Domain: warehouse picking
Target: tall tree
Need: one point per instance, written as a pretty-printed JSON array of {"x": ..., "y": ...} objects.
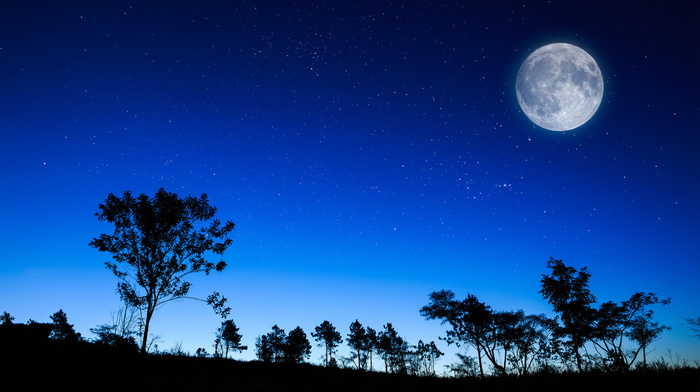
[
  {"x": 155, "y": 245},
  {"x": 393, "y": 350},
  {"x": 328, "y": 337},
  {"x": 357, "y": 340},
  {"x": 370, "y": 345},
  {"x": 567, "y": 291},
  {"x": 263, "y": 348},
  {"x": 229, "y": 338},
  {"x": 298, "y": 347},
  {"x": 271, "y": 347}
]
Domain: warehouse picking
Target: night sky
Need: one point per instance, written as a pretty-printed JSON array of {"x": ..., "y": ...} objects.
[{"x": 369, "y": 154}]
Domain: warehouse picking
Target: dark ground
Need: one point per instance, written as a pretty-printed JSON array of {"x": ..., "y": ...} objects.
[{"x": 45, "y": 364}]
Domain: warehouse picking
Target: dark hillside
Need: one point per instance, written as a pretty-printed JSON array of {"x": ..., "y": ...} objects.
[{"x": 39, "y": 363}]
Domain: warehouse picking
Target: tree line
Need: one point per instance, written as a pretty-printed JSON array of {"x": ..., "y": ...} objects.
[
  {"x": 580, "y": 337},
  {"x": 398, "y": 356},
  {"x": 156, "y": 245}
]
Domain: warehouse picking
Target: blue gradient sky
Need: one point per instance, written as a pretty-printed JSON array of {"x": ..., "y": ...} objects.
[{"x": 368, "y": 154}]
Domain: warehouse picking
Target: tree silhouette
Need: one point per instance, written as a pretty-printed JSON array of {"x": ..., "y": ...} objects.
[
  {"x": 357, "y": 341},
  {"x": 228, "y": 337},
  {"x": 470, "y": 321},
  {"x": 297, "y": 347},
  {"x": 61, "y": 329},
  {"x": 639, "y": 324},
  {"x": 155, "y": 245},
  {"x": 466, "y": 366},
  {"x": 568, "y": 293},
  {"x": 6, "y": 319},
  {"x": 263, "y": 349},
  {"x": 393, "y": 350},
  {"x": 507, "y": 327},
  {"x": 327, "y": 336},
  {"x": 532, "y": 341},
  {"x": 271, "y": 346},
  {"x": 607, "y": 326},
  {"x": 426, "y": 356}
]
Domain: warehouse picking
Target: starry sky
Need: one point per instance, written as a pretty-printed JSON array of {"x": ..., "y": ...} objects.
[{"x": 369, "y": 153}]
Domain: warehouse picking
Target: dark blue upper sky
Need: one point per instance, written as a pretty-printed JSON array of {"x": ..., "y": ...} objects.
[{"x": 368, "y": 153}]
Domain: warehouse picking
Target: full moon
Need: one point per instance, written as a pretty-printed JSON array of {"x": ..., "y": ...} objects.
[{"x": 559, "y": 87}]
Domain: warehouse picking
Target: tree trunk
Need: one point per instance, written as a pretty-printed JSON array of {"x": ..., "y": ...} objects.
[
  {"x": 481, "y": 366},
  {"x": 145, "y": 337},
  {"x": 578, "y": 362},
  {"x": 149, "y": 314}
]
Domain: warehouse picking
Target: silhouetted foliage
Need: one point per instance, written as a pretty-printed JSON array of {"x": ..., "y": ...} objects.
[
  {"x": 155, "y": 245},
  {"x": 605, "y": 327},
  {"x": 61, "y": 329},
  {"x": 424, "y": 358},
  {"x": 177, "y": 350},
  {"x": 357, "y": 341},
  {"x": 328, "y": 337},
  {"x": 639, "y": 324},
  {"x": 393, "y": 350},
  {"x": 121, "y": 332},
  {"x": 107, "y": 335},
  {"x": 278, "y": 347},
  {"x": 507, "y": 339},
  {"x": 228, "y": 338},
  {"x": 298, "y": 347},
  {"x": 470, "y": 321},
  {"x": 201, "y": 353},
  {"x": 271, "y": 346},
  {"x": 363, "y": 343},
  {"x": 567, "y": 291},
  {"x": 532, "y": 342},
  {"x": 6, "y": 319},
  {"x": 466, "y": 366}
]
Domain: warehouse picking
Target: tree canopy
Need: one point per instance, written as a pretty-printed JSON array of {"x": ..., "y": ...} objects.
[
  {"x": 155, "y": 245},
  {"x": 61, "y": 329},
  {"x": 276, "y": 346},
  {"x": 228, "y": 338},
  {"x": 328, "y": 337}
]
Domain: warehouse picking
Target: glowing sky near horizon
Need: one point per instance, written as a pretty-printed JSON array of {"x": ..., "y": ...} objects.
[{"x": 369, "y": 154}]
